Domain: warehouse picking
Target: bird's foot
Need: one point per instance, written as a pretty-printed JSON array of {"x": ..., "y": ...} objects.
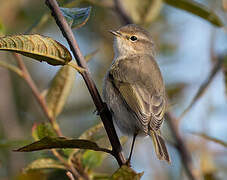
[{"x": 128, "y": 163}]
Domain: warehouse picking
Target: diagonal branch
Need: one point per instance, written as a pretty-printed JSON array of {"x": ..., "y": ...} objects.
[
  {"x": 100, "y": 105},
  {"x": 204, "y": 86},
  {"x": 36, "y": 93},
  {"x": 180, "y": 146}
]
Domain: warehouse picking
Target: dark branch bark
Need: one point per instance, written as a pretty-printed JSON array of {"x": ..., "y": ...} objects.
[{"x": 100, "y": 105}]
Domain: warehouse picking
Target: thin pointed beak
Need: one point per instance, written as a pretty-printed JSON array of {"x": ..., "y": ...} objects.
[{"x": 115, "y": 33}]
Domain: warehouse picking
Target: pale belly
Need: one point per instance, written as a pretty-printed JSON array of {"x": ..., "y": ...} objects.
[{"x": 126, "y": 120}]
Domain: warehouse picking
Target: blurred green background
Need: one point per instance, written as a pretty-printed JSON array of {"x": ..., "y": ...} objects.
[{"x": 187, "y": 48}]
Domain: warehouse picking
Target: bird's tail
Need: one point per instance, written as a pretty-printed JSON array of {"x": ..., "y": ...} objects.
[{"x": 159, "y": 146}]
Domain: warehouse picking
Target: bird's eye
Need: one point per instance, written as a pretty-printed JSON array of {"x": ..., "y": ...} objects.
[{"x": 133, "y": 38}]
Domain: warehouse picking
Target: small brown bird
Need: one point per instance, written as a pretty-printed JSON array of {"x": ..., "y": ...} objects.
[{"x": 134, "y": 90}]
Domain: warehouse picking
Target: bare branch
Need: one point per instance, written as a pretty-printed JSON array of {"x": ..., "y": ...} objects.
[
  {"x": 181, "y": 147},
  {"x": 11, "y": 68},
  {"x": 42, "y": 102},
  {"x": 69, "y": 174},
  {"x": 100, "y": 105},
  {"x": 36, "y": 93},
  {"x": 204, "y": 86}
]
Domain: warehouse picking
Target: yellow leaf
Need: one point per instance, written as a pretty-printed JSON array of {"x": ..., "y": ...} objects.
[
  {"x": 60, "y": 89},
  {"x": 126, "y": 173},
  {"x": 38, "y": 47},
  {"x": 142, "y": 11},
  {"x": 44, "y": 163},
  {"x": 197, "y": 9}
]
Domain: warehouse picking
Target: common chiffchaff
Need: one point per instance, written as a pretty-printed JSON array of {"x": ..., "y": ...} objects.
[{"x": 134, "y": 90}]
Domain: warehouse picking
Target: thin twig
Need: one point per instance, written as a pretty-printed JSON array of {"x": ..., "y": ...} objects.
[
  {"x": 181, "y": 147},
  {"x": 27, "y": 77},
  {"x": 100, "y": 105},
  {"x": 122, "y": 13},
  {"x": 203, "y": 87},
  {"x": 37, "y": 94},
  {"x": 70, "y": 167},
  {"x": 43, "y": 105},
  {"x": 11, "y": 68},
  {"x": 69, "y": 174}
]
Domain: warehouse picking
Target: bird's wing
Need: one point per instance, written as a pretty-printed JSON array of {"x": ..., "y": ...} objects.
[{"x": 141, "y": 92}]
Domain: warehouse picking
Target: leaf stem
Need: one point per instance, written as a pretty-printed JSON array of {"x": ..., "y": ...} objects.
[
  {"x": 74, "y": 65},
  {"x": 69, "y": 174}
]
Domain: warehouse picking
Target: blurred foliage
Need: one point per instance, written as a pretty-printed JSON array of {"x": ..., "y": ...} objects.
[
  {"x": 2, "y": 28},
  {"x": 225, "y": 72},
  {"x": 42, "y": 130},
  {"x": 34, "y": 175},
  {"x": 196, "y": 9},
  {"x": 59, "y": 90},
  {"x": 142, "y": 12},
  {"x": 72, "y": 111},
  {"x": 205, "y": 136},
  {"x": 44, "y": 163},
  {"x": 92, "y": 159},
  {"x": 175, "y": 90}
]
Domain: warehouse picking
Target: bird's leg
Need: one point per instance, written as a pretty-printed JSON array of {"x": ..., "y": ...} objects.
[{"x": 130, "y": 155}]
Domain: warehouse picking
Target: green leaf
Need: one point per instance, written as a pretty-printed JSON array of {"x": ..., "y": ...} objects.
[
  {"x": 2, "y": 28},
  {"x": 60, "y": 142},
  {"x": 92, "y": 159},
  {"x": 59, "y": 90},
  {"x": 205, "y": 136},
  {"x": 38, "y": 47},
  {"x": 76, "y": 17},
  {"x": 44, "y": 163},
  {"x": 88, "y": 134},
  {"x": 126, "y": 173},
  {"x": 42, "y": 130},
  {"x": 196, "y": 9}
]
